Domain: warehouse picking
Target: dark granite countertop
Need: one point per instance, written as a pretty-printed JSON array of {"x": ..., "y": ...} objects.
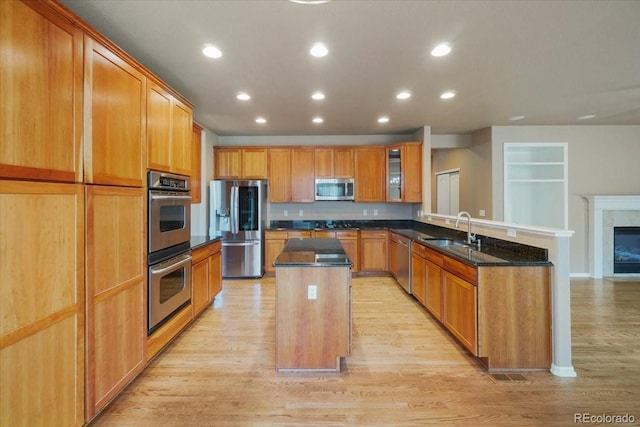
[
  {"x": 198, "y": 241},
  {"x": 313, "y": 252},
  {"x": 493, "y": 252}
]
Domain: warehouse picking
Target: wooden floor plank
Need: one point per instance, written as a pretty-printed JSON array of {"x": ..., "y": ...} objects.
[{"x": 405, "y": 370}]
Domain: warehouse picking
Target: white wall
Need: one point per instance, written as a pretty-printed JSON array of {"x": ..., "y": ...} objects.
[
  {"x": 200, "y": 211},
  {"x": 603, "y": 160}
]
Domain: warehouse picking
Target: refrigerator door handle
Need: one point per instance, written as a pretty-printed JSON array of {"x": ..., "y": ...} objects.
[
  {"x": 251, "y": 243},
  {"x": 236, "y": 207}
]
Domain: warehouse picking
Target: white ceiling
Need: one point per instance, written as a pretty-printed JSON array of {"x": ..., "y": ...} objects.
[{"x": 551, "y": 61}]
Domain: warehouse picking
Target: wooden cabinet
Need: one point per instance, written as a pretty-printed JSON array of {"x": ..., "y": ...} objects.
[
  {"x": 240, "y": 163},
  {"x": 404, "y": 172},
  {"x": 114, "y": 118},
  {"x": 41, "y": 81},
  {"x": 418, "y": 276},
  {"x": 279, "y": 175},
  {"x": 196, "y": 164},
  {"x": 254, "y": 163},
  {"x": 291, "y": 175},
  {"x": 350, "y": 243},
  {"x": 275, "y": 240},
  {"x": 460, "y": 310},
  {"x": 334, "y": 162},
  {"x": 42, "y": 303},
  {"x": 302, "y": 175},
  {"x": 116, "y": 291},
  {"x": 370, "y": 174},
  {"x": 206, "y": 276},
  {"x": 373, "y": 250},
  {"x": 169, "y": 131},
  {"x": 227, "y": 163},
  {"x": 433, "y": 289},
  {"x": 514, "y": 317}
]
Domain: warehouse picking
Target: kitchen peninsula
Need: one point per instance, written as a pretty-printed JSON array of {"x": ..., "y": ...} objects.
[{"x": 313, "y": 305}]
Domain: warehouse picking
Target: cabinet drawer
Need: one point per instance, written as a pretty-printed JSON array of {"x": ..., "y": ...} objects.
[
  {"x": 199, "y": 254},
  {"x": 353, "y": 234},
  {"x": 275, "y": 235},
  {"x": 373, "y": 234},
  {"x": 418, "y": 249},
  {"x": 293, "y": 234},
  {"x": 467, "y": 272},
  {"x": 325, "y": 233},
  {"x": 433, "y": 256}
]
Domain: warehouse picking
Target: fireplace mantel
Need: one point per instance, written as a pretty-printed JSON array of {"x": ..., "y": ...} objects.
[{"x": 598, "y": 205}]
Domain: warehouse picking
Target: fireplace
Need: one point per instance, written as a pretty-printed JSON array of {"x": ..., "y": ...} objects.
[{"x": 626, "y": 249}]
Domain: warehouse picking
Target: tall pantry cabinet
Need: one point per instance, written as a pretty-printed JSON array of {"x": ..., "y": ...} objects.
[
  {"x": 73, "y": 127},
  {"x": 42, "y": 306}
]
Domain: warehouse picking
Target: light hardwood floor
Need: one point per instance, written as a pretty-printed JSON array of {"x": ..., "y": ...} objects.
[{"x": 404, "y": 370}]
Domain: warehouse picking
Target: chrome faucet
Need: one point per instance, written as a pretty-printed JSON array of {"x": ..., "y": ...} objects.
[{"x": 471, "y": 237}]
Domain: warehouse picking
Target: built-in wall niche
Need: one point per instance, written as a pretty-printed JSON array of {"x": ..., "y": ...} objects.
[
  {"x": 626, "y": 250},
  {"x": 535, "y": 184}
]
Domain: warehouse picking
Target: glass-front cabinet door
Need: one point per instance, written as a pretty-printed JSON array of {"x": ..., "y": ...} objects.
[{"x": 394, "y": 174}]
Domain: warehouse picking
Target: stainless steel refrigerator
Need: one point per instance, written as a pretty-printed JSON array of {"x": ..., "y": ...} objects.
[{"x": 237, "y": 215}]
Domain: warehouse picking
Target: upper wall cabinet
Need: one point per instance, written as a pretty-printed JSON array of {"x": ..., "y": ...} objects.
[
  {"x": 169, "y": 131},
  {"x": 334, "y": 162},
  {"x": 370, "y": 174},
  {"x": 291, "y": 175},
  {"x": 41, "y": 86},
  {"x": 240, "y": 163},
  {"x": 404, "y": 172},
  {"x": 114, "y": 117}
]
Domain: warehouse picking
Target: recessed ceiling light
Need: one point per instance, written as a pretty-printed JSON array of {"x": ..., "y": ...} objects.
[
  {"x": 317, "y": 95},
  {"x": 211, "y": 51},
  {"x": 441, "y": 50},
  {"x": 587, "y": 117},
  {"x": 383, "y": 119},
  {"x": 448, "y": 95},
  {"x": 405, "y": 94},
  {"x": 243, "y": 96},
  {"x": 516, "y": 118},
  {"x": 319, "y": 50},
  {"x": 261, "y": 120},
  {"x": 318, "y": 120}
]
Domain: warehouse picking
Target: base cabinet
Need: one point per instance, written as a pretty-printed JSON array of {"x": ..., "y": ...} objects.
[
  {"x": 373, "y": 250},
  {"x": 460, "y": 310},
  {"x": 42, "y": 304},
  {"x": 206, "y": 276},
  {"x": 275, "y": 241}
]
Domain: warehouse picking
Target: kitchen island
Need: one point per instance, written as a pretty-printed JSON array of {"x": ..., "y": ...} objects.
[{"x": 313, "y": 305}]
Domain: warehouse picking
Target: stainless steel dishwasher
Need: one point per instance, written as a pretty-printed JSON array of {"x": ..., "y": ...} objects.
[{"x": 403, "y": 263}]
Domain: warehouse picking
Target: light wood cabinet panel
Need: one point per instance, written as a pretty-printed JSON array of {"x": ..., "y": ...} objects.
[
  {"x": 168, "y": 331},
  {"x": 114, "y": 119},
  {"x": 254, "y": 163},
  {"x": 324, "y": 162},
  {"x": 279, "y": 175},
  {"x": 169, "y": 131},
  {"x": 343, "y": 162},
  {"x": 373, "y": 251},
  {"x": 196, "y": 164},
  {"x": 275, "y": 241},
  {"x": 200, "y": 285},
  {"x": 433, "y": 289},
  {"x": 116, "y": 291},
  {"x": 42, "y": 303},
  {"x": 41, "y": 86},
  {"x": 514, "y": 317},
  {"x": 350, "y": 246},
  {"x": 302, "y": 175},
  {"x": 418, "y": 267},
  {"x": 370, "y": 174},
  {"x": 181, "y": 138},
  {"x": 227, "y": 163},
  {"x": 460, "y": 310}
]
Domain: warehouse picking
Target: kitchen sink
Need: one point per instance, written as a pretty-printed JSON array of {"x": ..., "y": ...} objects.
[{"x": 445, "y": 242}]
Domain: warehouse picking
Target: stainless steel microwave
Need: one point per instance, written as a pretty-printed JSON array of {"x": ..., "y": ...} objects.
[{"x": 335, "y": 189}]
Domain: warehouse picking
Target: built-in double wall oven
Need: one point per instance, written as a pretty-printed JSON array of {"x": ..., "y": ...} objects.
[{"x": 169, "y": 233}]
